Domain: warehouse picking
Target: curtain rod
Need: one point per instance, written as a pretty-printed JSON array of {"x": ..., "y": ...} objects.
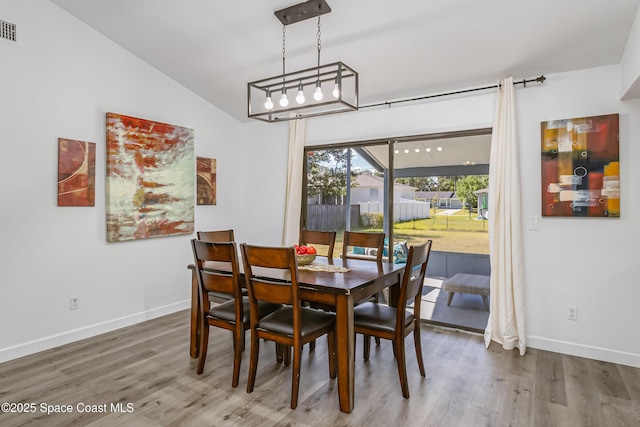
[{"x": 523, "y": 82}]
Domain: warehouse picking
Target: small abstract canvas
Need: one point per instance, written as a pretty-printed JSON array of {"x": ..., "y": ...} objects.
[
  {"x": 581, "y": 167},
  {"x": 150, "y": 179},
  {"x": 206, "y": 180},
  {"x": 76, "y": 173}
]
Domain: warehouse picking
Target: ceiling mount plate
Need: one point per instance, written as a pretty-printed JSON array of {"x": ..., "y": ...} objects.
[{"x": 302, "y": 11}]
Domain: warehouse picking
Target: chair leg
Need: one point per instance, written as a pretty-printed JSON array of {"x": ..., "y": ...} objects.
[
  {"x": 295, "y": 375},
  {"x": 287, "y": 355},
  {"x": 376, "y": 299},
  {"x": 253, "y": 363},
  {"x": 279, "y": 353},
  {"x": 204, "y": 343},
  {"x": 417, "y": 342},
  {"x": 238, "y": 348},
  {"x": 366, "y": 349},
  {"x": 450, "y": 298},
  {"x": 331, "y": 345},
  {"x": 402, "y": 367}
]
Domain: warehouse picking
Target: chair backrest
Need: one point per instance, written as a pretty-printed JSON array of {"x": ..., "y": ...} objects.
[
  {"x": 277, "y": 262},
  {"x": 312, "y": 237},
  {"x": 364, "y": 240},
  {"x": 216, "y": 236},
  {"x": 221, "y": 275},
  {"x": 413, "y": 278}
]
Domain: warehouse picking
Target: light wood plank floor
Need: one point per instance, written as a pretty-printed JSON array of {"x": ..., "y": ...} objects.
[{"x": 148, "y": 367}]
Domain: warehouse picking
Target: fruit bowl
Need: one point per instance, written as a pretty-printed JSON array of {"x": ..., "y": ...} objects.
[{"x": 305, "y": 259}]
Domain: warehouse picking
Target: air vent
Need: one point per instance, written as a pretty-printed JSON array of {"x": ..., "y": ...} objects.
[{"x": 8, "y": 31}]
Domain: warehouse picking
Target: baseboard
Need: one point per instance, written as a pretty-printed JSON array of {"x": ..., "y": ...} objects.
[
  {"x": 52, "y": 341},
  {"x": 589, "y": 352}
]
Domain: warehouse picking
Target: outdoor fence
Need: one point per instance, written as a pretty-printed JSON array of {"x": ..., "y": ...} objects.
[
  {"x": 401, "y": 211},
  {"x": 331, "y": 217}
]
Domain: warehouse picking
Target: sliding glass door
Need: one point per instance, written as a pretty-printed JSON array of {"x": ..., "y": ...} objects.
[{"x": 345, "y": 189}]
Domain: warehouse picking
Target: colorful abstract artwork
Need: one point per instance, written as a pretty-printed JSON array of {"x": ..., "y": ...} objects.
[
  {"x": 150, "y": 179},
  {"x": 206, "y": 181},
  {"x": 581, "y": 167},
  {"x": 76, "y": 173}
]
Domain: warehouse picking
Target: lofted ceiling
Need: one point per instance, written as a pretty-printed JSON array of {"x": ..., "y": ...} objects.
[{"x": 401, "y": 49}]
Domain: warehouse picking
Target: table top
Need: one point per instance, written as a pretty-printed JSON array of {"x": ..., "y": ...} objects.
[{"x": 362, "y": 273}]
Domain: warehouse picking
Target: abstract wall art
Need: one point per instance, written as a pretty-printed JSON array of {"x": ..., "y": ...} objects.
[
  {"x": 76, "y": 173},
  {"x": 206, "y": 181},
  {"x": 150, "y": 179},
  {"x": 581, "y": 167}
]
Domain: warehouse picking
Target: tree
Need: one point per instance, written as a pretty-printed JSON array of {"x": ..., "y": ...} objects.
[
  {"x": 326, "y": 174},
  {"x": 446, "y": 183},
  {"x": 466, "y": 186},
  {"x": 422, "y": 183}
]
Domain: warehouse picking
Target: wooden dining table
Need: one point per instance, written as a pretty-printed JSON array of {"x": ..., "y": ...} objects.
[{"x": 339, "y": 290}]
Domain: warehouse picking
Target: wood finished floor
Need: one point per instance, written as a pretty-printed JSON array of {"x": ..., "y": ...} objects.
[{"x": 148, "y": 366}]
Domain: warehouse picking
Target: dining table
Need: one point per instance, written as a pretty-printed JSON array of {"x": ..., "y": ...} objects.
[{"x": 340, "y": 290}]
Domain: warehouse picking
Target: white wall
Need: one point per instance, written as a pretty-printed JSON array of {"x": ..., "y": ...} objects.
[
  {"x": 59, "y": 82},
  {"x": 590, "y": 263},
  {"x": 630, "y": 62}
]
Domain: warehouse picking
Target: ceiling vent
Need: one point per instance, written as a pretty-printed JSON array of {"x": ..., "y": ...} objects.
[{"x": 8, "y": 32}]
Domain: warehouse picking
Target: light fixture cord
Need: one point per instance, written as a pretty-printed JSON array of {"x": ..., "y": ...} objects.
[
  {"x": 319, "y": 44},
  {"x": 284, "y": 39}
]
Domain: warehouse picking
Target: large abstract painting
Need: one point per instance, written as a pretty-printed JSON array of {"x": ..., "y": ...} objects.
[
  {"x": 206, "y": 170},
  {"x": 150, "y": 179},
  {"x": 76, "y": 173},
  {"x": 581, "y": 167}
]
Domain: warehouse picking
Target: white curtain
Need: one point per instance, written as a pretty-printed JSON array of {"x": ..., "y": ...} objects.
[
  {"x": 293, "y": 200},
  {"x": 507, "y": 316}
]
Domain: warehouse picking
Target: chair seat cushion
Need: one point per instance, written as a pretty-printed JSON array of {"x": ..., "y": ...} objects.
[
  {"x": 227, "y": 310},
  {"x": 281, "y": 321},
  {"x": 378, "y": 317}
]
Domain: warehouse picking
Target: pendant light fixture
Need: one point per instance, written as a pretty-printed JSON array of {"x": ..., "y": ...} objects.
[{"x": 308, "y": 84}]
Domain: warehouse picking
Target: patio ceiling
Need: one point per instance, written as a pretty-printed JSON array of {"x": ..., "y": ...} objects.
[{"x": 416, "y": 156}]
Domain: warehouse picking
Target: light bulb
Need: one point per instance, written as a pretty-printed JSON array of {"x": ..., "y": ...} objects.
[
  {"x": 439, "y": 148},
  {"x": 336, "y": 90},
  {"x": 268, "y": 103},
  {"x": 283, "y": 99},
  {"x": 427, "y": 149},
  {"x": 300, "y": 97},
  {"x": 417, "y": 150},
  {"x": 317, "y": 95}
]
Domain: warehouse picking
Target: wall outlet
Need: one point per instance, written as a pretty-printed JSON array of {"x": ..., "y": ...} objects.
[
  {"x": 572, "y": 312},
  {"x": 533, "y": 223},
  {"x": 74, "y": 302}
]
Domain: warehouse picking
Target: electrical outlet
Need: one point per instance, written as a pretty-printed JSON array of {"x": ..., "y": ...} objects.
[
  {"x": 533, "y": 223},
  {"x": 74, "y": 302},
  {"x": 572, "y": 312}
]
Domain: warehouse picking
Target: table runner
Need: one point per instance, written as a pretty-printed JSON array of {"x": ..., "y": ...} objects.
[{"x": 324, "y": 267}]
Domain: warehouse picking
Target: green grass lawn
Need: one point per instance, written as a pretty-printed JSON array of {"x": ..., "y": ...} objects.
[{"x": 453, "y": 233}]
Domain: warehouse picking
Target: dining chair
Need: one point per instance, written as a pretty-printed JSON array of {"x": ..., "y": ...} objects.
[
  {"x": 232, "y": 315},
  {"x": 292, "y": 325},
  {"x": 396, "y": 323},
  {"x": 326, "y": 238},
  {"x": 352, "y": 239},
  {"x": 216, "y": 236}
]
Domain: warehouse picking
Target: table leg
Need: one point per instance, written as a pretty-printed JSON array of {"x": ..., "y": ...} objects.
[
  {"x": 345, "y": 347},
  {"x": 195, "y": 311}
]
